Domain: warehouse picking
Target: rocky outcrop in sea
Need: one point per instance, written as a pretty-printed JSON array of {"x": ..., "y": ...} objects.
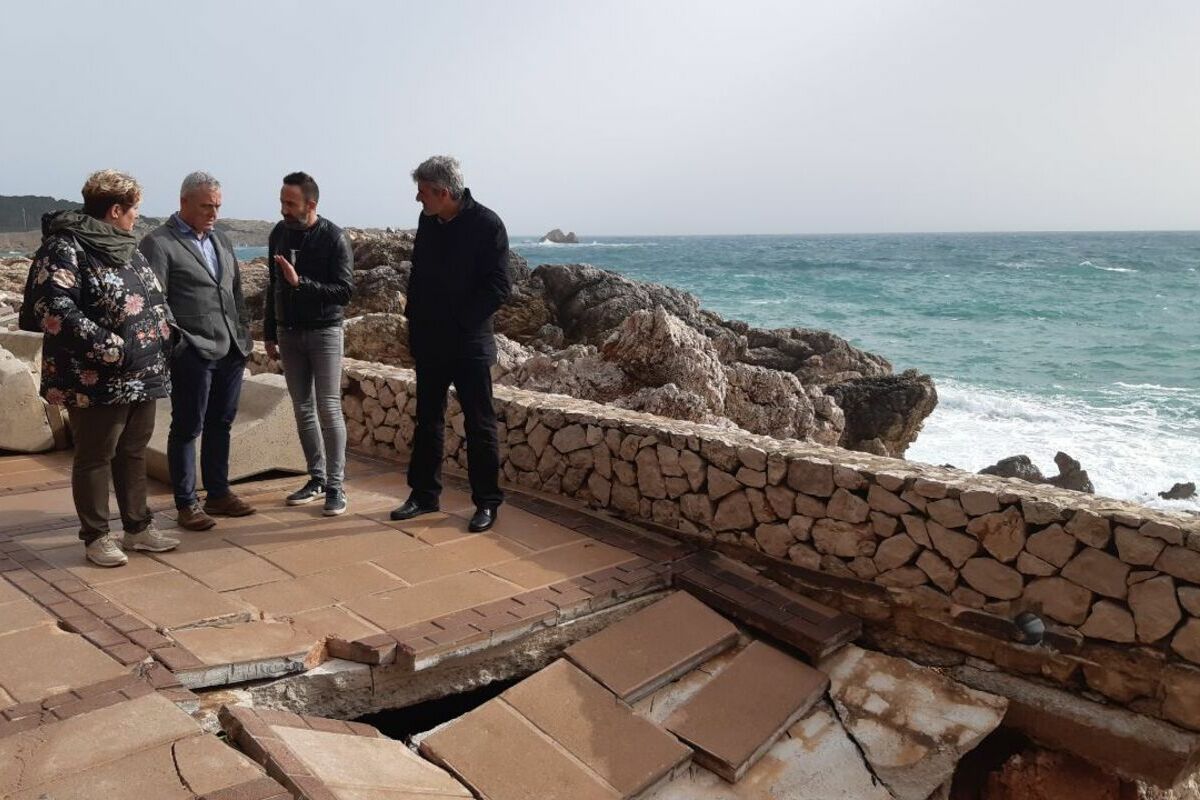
[{"x": 582, "y": 331}]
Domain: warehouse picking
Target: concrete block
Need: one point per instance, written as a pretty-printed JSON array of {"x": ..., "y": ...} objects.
[
  {"x": 24, "y": 427},
  {"x": 263, "y": 437}
]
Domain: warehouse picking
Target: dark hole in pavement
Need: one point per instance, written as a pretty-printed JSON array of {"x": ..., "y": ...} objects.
[
  {"x": 971, "y": 774},
  {"x": 401, "y": 723}
]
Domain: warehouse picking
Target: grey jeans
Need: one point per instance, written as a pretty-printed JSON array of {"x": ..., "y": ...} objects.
[{"x": 312, "y": 366}]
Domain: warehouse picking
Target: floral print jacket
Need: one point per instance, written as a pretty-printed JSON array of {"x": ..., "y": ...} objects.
[{"x": 106, "y": 328}]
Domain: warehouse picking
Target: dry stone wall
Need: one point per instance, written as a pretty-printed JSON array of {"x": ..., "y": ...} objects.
[{"x": 936, "y": 555}]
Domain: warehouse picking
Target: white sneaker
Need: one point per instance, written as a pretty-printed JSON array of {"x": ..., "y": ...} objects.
[
  {"x": 149, "y": 539},
  {"x": 105, "y": 553}
]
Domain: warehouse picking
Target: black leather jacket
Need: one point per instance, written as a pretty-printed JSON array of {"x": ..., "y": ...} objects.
[{"x": 325, "y": 264}]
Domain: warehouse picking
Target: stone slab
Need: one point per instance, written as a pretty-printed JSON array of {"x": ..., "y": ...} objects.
[
  {"x": 72, "y": 558},
  {"x": 54, "y": 751},
  {"x": 502, "y": 756},
  {"x": 19, "y": 614},
  {"x": 654, "y": 646},
  {"x": 246, "y": 651},
  {"x": 912, "y": 722},
  {"x": 221, "y": 566},
  {"x": 817, "y": 760},
  {"x": 559, "y": 563},
  {"x": 404, "y": 607},
  {"x": 23, "y": 424},
  {"x": 592, "y": 724},
  {"x": 263, "y": 438},
  {"x": 335, "y": 621},
  {"x": 173, "y": 600},
  {"x": 284, "y": 598},
  {"x": 733, "y": 720},
  {"x": 432, "y": 563},
  {"x": 532, "y": 531},
  {"x": 182, "y": 770},
  {"x": 360, "y": 764},
  {"x": 353, "y": 580},
  {"x": 38, "y": 662},
  {"x": 326, "y": 554}
]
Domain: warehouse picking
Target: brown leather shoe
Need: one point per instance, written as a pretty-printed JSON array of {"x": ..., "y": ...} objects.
[
  {"x": 228, "y": 506},
  {"x": 193, "y": 518}
]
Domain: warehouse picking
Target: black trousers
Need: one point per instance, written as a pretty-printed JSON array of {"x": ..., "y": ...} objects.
[{"x": 472, "y": 380}]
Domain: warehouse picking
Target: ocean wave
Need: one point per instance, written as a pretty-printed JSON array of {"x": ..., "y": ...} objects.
[
  {"x": 1115, "y": 269},
  {"x": 1130, "y": 450}
]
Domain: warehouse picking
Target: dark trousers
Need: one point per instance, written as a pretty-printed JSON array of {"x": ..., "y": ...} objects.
[
  {"x": 111, "y": 440},
  {"x": 204, "y": 400},
  {"x": 472, "y": 380}
]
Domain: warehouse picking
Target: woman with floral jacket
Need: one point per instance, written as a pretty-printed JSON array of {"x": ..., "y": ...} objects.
[{"x": 106, "y": 337}]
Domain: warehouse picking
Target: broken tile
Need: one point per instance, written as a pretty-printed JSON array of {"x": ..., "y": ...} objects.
[
  {"x": 38, "y": 662},
  {"x": 592, "y": 724},
  {"x": 815, "y": 761},
  {"x": 568, "y": 561},
  {"x": 344, "y": 761},
  {"x": 735, "y": 718},
  {"x": 174, "y": 600},
  {"x": 912, "y": 723},
  {"x": 283, "y": 598},
  {"x": 334, "y": 621},
  {"x": 54, "y": 751},
  {"x": 403, "y": 607},
  {"x": 246, "y": 651},
  {"x": 653, "y": 647},
  {"x": 431, "y": 563},
  {"x": 502, "y": 756}
]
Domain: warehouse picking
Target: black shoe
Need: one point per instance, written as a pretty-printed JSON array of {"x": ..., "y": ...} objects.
[
  {"x": 311, "y": 491},
  {"x": 483, "y": 519},
  {"x": 411, "y": 509},
  {"x": 335, "y": 502}
]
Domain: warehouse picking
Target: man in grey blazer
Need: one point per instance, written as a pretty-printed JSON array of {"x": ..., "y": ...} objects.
[{"x": 203, "y": 286}]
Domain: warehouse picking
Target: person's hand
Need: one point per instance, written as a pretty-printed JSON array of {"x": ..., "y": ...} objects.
[
  {"x": 272, "y": 351},
  {"x": 287, "y": 270}
]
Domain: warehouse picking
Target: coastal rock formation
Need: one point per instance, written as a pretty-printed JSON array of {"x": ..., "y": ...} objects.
[
  {"x": 381, "y": 248},
  {"x": 1180, "y": 491},
  {"x": 593, "y": 334},
  {"x": 556, "y": 236},
  {"x": 1070, "y": 474},
  {"x": 884, "y": 413}
]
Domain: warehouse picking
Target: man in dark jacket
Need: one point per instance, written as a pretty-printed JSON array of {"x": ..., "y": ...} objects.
[
  {"x": 203, "y": 284},
  {"x": 311, "y": 276},
  {"x": 459, "y": 279}
]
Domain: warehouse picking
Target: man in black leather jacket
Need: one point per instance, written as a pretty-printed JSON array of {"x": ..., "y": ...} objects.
[
  {"x": 310, "y": 279},
  {"x": 459, "y": 279}
]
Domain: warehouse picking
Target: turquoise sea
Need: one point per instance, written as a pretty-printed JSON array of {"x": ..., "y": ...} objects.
[{"x": 1082, "y": 342}]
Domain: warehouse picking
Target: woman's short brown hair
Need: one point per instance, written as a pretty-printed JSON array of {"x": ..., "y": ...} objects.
[{"x": 107, "y": 188}]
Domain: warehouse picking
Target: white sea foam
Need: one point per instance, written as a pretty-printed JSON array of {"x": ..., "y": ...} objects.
[
  {"x": 1130, "y": 450},
  {"x": 535, "y": 243},
  {"x": 1115, "y": 269}
]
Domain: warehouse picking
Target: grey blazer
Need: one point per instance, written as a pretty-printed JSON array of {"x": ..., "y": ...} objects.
[{"x": 211, "y": 315}]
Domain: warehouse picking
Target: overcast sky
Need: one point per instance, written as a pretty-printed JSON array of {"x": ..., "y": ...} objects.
[{"x": 608, "y": 118}]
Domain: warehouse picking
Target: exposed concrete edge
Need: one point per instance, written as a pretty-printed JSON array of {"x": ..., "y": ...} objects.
[
  {"x": 1134, "y": 746},
  {"x": 345, "y": 689}
]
